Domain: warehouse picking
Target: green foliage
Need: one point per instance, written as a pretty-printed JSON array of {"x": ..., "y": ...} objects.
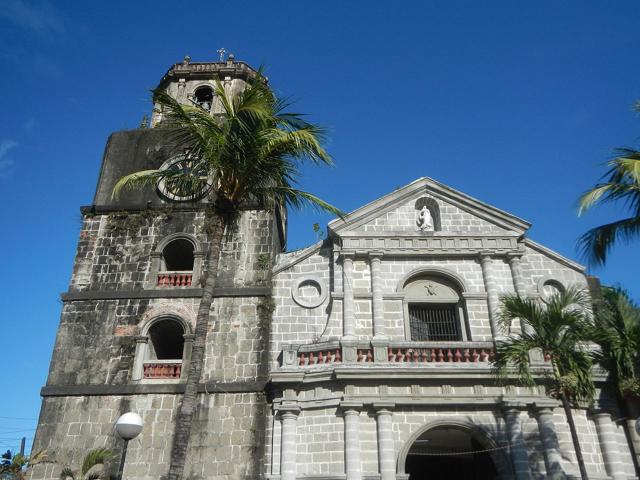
[
  {"x": 17, "y": 466},
  {"x": 265, "y": 308},
  {"x": 616, "y": 330},
  {"x": 621, "y": 184},
  {"x": 559, "y": 329},
  {"x": 319, "y": 233},
  {"x": 144, "y": 123},
  {"x": 93, "y": 458},
  {"x": 264, "y": 261},
  {"x": 129, "y": 223}
]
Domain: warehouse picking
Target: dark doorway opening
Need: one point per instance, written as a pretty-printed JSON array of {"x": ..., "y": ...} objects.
[{"x": 443, "y": 453}]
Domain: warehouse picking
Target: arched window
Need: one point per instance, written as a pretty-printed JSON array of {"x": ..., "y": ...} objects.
[
  {"x": 203, "y": 96},
  {"x": 163, "y": 350},
  {"x": 177, "y": 263},
  {"x": 434, "y": 309},
  {"x": 178, "y": 256},
  {"x": 166, "y": 340}
]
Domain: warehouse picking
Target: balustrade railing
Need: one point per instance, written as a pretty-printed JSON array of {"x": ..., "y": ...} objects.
[
  {"x": 331, "y": 353},
  {"x": 319, "y": 357},
  {"x": 174, "y": 279},
  {"x": 441, "y": 352},
  {"x": 162, "y": 369}
]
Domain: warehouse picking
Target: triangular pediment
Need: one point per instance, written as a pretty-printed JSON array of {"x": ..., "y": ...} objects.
[{"x": 453, "y": 212}]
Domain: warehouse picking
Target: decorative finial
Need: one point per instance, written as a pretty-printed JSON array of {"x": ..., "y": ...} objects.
[
  {"x": 221, "y": 51},
  {"x": 186, "y": 60}
]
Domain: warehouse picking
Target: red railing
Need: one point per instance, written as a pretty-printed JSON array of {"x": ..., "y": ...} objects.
[
  {"x": 174, "y": 279},
  {"x": 441, "y": 354},
  {"x": 364, "y": 355},
  {"x": 168, "y": 369},
  {"x": 333, "y": 355}
]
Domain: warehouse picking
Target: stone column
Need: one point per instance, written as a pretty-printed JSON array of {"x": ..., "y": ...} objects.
[
  {"x": 518, "y": 284},
  {"x": 633, "y": 412},
  {"x": 351, "y": 414},
  {"x": 549, "y": 439},
  {"x": 376, "y": 293},
  {"x": 186, "y": 354},
  {"x": 608, "y": 445},
  {"x": 492, "y": 294},
  {"x": 138, "y": 363},
  {"x": 348, "y": 319},
  {"x": 517, "y": 447},
  {"x": 289, "y": 418},
  {"x": 386, "y": 453}
]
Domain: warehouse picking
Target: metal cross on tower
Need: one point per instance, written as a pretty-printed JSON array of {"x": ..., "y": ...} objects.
[{"x": 221, "y": 51}]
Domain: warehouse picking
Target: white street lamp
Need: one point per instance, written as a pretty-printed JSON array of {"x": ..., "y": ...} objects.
[{"x": 128, "y": 427}]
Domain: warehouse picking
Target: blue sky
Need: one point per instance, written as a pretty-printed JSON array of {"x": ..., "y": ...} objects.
[{"x": 515, "y": 103}]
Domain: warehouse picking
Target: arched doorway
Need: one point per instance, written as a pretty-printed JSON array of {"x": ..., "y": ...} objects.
[{"x": 451, "y": 451}]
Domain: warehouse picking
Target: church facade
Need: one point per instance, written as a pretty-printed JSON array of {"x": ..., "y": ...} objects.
[{"x": 365, "y": 356}]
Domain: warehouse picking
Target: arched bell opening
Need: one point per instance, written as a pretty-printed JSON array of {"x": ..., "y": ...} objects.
[{"x": 203, "y": 96}]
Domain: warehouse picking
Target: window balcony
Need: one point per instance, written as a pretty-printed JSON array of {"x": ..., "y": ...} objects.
[
  {"x": 174, "y": 279},
  {"x": 391, "y": 353},
  {"x": 162, "y": 369},
  {"x": 440, "y": 352}
]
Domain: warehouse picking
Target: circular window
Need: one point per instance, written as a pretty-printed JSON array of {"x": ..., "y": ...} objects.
[
  {"x": 186, "y": 179},
  {"x": 309, "y": 292},
  {"x": 548, "y": 287}
]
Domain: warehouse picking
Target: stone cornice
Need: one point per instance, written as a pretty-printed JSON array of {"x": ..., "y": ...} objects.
[
  {"x": 554, "y": 255},
  {"x": 198, "y": 70},
  {"x": 149, "y": 388},
  {"x": 410, "y": 245},
  {"x": 163, "y": 293}
]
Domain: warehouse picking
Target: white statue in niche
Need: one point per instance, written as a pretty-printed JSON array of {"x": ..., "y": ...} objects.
[{"x": 425, "y": 220}]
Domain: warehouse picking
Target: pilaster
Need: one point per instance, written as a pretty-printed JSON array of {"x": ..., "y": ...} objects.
[
  {"x": 386, "y": 453},
  {"x": 375, "y": 259},
  {"x": 608, "y": 445},
  {"x": 348, "y": 318},
  {"x": 517, "y": 447},
  {"x": 289, "y": 419},
  {"x": 138, "y": 363},
  {"x": 518, "y": 284},
  {"x": 351, "y": 415},
  {"x": 491, "y": 288},
  {"x": 549, "y": 439},
  {"x": 186, "y": 353}
]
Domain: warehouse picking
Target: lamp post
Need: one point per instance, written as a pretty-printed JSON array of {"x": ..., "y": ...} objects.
[{"x": 128, "y": 427}]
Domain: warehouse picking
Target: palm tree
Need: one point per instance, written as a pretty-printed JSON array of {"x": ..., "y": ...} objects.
[
  {"x": 16, "y": 467},
  {"x": 97, "y": 456},
  {"x": 621, "y": 183},
  {"x": 251, "y": 154},
  {"x": 616, "y": 330},
  {"x": 557, "y": 329}
]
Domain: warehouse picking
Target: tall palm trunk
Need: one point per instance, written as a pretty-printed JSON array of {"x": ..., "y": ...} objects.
[
  {"x": 574, "y": 435},
  {"x": 184, "y": 419}
]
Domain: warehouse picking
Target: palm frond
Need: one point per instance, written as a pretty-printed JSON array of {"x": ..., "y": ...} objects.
[
  {"x": 596, "y": 243},
  {"x": 67, "y": 474},
  {"x": 298, "y": 199},
  {"x": 136, "y": 180},
  {"x": 97, "y": 456},
  {"x": 559, "y": 329}
]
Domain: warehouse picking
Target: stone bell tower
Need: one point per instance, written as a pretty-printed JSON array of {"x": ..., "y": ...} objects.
[
  {"x": 192, "y": 83},
  {"x": 126, "y": 329}
]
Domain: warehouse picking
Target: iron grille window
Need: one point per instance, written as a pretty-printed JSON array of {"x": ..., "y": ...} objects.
[{"x": 434, "y": 322}]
